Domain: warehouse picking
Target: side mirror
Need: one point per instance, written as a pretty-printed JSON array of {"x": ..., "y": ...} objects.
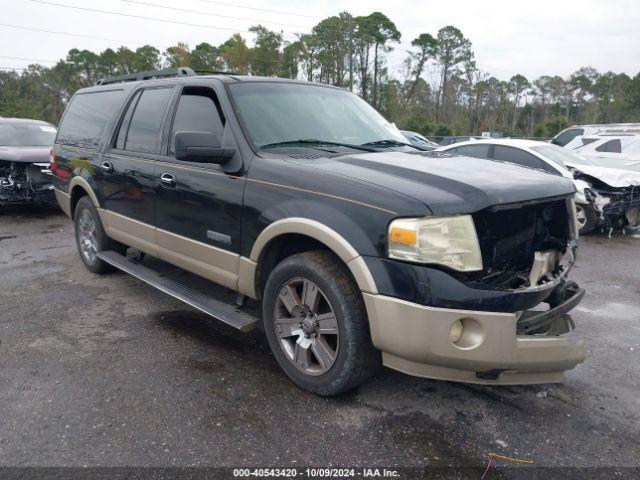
[{"x": 203, "y": 147}]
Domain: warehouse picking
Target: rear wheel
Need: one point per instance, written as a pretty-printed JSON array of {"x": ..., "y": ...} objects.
[
  {"x": 316, "y": 324},
  {"x": 91, "y": 237},
  {"x": 586, "y": 217}
]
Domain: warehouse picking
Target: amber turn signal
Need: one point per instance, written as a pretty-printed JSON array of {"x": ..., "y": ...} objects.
[{"x": 403, "y": 236}]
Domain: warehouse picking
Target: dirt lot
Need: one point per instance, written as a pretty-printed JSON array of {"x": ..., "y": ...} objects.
[{"x": 104, "y": 370}]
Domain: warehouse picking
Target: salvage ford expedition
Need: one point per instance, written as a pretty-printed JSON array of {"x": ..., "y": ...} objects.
[{"x": 359, "y": 248}]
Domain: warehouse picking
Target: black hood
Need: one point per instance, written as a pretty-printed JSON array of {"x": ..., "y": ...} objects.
[
  {"x": 25, "y": 154},
  {"x": 449, "y": 184}
]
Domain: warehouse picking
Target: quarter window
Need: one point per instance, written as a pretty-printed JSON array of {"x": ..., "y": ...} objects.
[
  {"x": 612, "y": 146},
  {"x": 86, "y": 117},
  {"x": 143, "y": 129}
]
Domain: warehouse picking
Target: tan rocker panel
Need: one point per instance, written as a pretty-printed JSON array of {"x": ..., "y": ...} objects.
[{"x": 219, "y": 265}]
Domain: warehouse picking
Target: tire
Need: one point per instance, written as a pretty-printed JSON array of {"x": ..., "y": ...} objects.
[
  {"x": 587, "y": 218},
  {"x": 302, "y": 338},
  {"x": 84, "y": 216}
]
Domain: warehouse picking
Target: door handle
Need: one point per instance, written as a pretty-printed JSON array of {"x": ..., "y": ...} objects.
[
  {"x": 107, "y": 167},
  {"x": 168, "y": 180}
]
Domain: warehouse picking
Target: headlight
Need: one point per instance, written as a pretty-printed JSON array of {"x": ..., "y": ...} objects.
[{"x": 449, "y": 241}]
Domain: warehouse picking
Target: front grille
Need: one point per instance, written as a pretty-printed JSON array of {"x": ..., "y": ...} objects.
[{"x": 509, "y": 236}]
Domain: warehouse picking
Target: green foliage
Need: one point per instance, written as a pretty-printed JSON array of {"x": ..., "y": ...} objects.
[
  {"x": 418, "y": 124},
  {"x": 441, "y": 91},
  {"x": 442, "y": 130}
]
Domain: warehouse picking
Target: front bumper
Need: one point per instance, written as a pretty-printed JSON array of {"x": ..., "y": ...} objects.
[{"x": 415, "y": 339}]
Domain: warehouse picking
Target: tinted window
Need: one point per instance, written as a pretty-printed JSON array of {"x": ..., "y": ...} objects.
[
  {"x": 86, "y": 117},
  {"x": 26, "y": 135},
  {"x": 478, "y": 151},
  {"x": 566, "y": 137},
  {"x": 197, "y": 113},
  {"x": 520, "y": 157},
  {"x": 124, "y": 126},
  {"x": 612, "y": 146},
  {"x": 144, "y": 129}
]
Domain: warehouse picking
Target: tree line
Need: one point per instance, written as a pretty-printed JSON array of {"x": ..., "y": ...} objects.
[{"x": 441, "y": 90}]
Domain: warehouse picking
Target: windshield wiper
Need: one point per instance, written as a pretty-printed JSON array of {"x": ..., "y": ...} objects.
[
  {"x": 388, "y": 143},
  {"x": 314, "y": 142}
]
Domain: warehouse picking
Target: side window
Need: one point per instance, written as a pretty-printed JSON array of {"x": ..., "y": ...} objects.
[
  {"x": 124, "y": 126},
  {"x": 86, "y": 117},
  {"x": 142, "y": 127},
  {"x": 517, "y": 156},
  {"x": 197, "y": 111},
  {"x": 612, "y": 146},
  {"x": 478, "y": 151}
]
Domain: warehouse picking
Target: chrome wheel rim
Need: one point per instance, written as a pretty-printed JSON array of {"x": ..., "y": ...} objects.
[
  {"x": 581, "y": 216},
  {"x": 306, "y": 326},
  {"x": 87, "y": 240}
]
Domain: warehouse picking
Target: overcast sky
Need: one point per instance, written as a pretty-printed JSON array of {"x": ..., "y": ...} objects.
[{"x": 542, "y": 37}]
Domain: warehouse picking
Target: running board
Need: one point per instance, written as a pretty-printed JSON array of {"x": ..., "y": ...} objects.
[{"x": 222, "y": 311}]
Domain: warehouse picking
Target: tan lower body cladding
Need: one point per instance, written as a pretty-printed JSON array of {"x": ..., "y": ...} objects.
[{"x": 415, "y": 339}]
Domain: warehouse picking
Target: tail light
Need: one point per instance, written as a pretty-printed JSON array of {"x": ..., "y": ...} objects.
[{"x": 52, "y": 162}]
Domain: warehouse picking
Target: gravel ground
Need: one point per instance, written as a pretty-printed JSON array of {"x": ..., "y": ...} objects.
[{"x": 106, "y": 371}]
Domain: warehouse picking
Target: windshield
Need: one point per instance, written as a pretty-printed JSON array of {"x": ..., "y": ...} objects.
[
  {"x": 26, "y": 135},
  {"x": 561, "y": 155},
  {"x": 283, "y": 112}
]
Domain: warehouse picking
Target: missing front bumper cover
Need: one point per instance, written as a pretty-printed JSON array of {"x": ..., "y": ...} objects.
[{"x": 556, "y": 320}]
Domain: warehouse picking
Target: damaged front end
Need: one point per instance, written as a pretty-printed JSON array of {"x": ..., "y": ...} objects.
[
  {"x": 530, "y": 248},
  {"x": 616, "y": 193},
  {"x": 25, "y": 183}
]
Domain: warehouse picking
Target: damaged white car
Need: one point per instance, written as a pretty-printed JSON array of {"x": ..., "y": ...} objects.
[
  {"x": 541, "y": 156},
  {"x": 25, "y": 176}
]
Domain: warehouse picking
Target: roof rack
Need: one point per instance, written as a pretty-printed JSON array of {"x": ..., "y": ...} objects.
[{"x": 148, "y": 75}]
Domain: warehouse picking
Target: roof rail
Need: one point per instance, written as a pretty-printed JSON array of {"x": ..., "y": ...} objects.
[{"x": 148, "y": 75}]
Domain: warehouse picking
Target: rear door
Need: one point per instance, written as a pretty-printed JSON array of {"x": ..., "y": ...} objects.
[
  {"x": 128, "y": 164},
  {"x": 198, "y": 205}
]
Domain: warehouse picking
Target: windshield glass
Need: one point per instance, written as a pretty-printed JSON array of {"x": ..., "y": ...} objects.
[
  {"x": 281, "y": 112},
  {"x": 26, "y": 135},
  {"x": 561, "y": 155}
]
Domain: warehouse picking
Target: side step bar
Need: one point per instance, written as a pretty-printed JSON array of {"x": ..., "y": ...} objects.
[{"x": 222, "y": 311}]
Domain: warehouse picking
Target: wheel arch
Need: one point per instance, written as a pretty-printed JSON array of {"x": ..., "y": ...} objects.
[
  {"x": 78, "y": 188},
  {"x": 313, "y": 235}
]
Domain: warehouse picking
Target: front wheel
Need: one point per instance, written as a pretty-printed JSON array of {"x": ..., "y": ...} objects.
[
  {"x": 587, "y": 218},
  {"x": 316, "y": 324}
]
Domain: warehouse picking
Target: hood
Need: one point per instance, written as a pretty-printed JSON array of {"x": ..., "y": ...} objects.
[
  {"x": 25, "y": 154},
  {"x": 448, "y": 184},
  {"x": 614, "y": 177}
]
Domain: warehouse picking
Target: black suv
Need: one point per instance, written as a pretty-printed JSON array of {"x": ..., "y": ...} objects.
[{"x": 360, "y": 249}]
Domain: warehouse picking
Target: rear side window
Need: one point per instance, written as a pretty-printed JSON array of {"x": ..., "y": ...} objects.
[
  {"x": 86, "y": 117},
  {"x": 140, "y": 128},
  {"x": 612, "y": 146},
  {"x": 478, "y": 151},
  {"x": 520, "y": 157}
]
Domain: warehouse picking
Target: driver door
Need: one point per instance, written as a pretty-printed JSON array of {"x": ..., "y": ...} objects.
[{"x": 198, "y": 205}]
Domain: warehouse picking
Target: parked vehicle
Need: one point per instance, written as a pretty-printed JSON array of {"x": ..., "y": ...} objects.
[
  {"x": 419, "y": 141},
  {"x": 621, "y": 152},
  {"x": 25, "y": 177},
  {"x": 569, "y": 134},
  {"x": 540, "y": 156},
  {"x": 456, "y": 139},
  {"x": 294, "y": 195}
]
